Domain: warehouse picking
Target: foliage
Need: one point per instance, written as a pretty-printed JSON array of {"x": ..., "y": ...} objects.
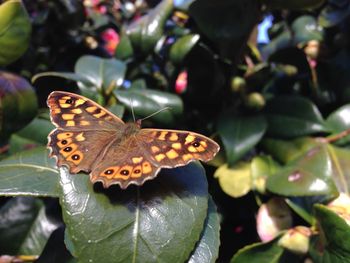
[{"x": 280, "y": 111}]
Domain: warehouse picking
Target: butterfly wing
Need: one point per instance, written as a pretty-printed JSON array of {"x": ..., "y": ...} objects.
[
  {"x": 173, "y": 148},
  {"x": 80, "y": 123},
  {"x": 139, "y": 158}
]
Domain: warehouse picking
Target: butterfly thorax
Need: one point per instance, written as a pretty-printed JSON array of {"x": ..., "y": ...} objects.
[{"x": 131, "y": 128}]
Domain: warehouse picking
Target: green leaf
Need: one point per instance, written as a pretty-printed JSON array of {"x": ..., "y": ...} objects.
[
  {"x": 15, "y": 31},
  {"x": 293, "y": 4},
  {"x": 310, "y": 174},
  {"x": 158, "y": 222},
  {"x": 145, "y": 32},
  {"x": 18, "y": 104},
  {"x": 29, "y": 173},
  {"x": 240, "y": 134},
  {"x": 227, "y": 23},
  {"x": 37, "y": 130},
  {"x": 182, "y": 47},
  {"x": 147, "y": 101},
  {"x": 235, "y": 181},
  {"x": 305, "y": 28},
  {"x": 336, "y": 232},
  {"x": 287, "y": 150},
  {"x": 207, "y": 249},
  {"x": 124, "y": 49},
  {"x": 339, "y": 121},
  {"x": 269, "y": 252},
  {"x": 293, "y": 116},
  {"x": 24, "y": 227},
  {"x": 66, "y": 75},
  {"x": 102, "y": 73}
]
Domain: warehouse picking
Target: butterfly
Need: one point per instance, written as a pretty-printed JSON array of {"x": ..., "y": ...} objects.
[{"x": 91, "y": 139}]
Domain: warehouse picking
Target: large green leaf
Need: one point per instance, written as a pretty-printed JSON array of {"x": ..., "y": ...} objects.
[
  {"x": 182, "y": 47},
  {"x": 18, "y": 104},
  {"x": 240, "y": 134},
  {"x": 313, "y": 173},
  {"x": 15, "y": 30},
  {"x": 101, "y": 73},
  {"x": 24, "y": 227},
  {"x": 207, "y": 249},
  {"x": 29, "y": 173},
  {"x": 339, "y": 121},
  {"x": 147, "y": 101},
  {"x": 336, "y": 236},
  {"x": 293, "y": 116},
  {"x": 37, "y": 130},
  {"x": 158, "y": 222}
]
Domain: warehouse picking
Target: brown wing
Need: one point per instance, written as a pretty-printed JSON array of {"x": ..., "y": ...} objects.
[
  {"x": 124, "y": 163},
  {"x": 84, "y": 130},
  {"x": 173, "y": 148},
  {"x": 139, "y": 158}
]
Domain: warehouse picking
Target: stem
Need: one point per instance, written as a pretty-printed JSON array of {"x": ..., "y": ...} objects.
[{"x": 338, "y": 136}]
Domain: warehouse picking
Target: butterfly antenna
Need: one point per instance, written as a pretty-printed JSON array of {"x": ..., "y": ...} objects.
[
  {"x": 158, "y": 111},
  {"x": 132, "y": 109}
]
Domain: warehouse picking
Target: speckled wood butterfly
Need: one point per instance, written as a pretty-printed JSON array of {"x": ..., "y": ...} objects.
[{"x": 89, "y": 138}]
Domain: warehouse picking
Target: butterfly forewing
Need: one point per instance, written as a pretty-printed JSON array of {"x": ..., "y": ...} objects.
[{"x": 74, "y": 112}]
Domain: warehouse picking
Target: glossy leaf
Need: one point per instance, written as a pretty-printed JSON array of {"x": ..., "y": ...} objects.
[
  {"x": 124, "y": 49},
  {"x": 29, "y": 173},
  {"x": 310, "y": 174},
  {"x": 147, "y": 101},
  {"x": 18, "y": 104},
  {"x": 145, "y": 32},
  {"x": 15, "y": 31},
  {"x": 336, "y": 235},
  {"x": 24, "y": 227},
  {"x": 160, "y": 221},
  {"x": 227, "y": 23},
  {"x": 293, "y": 116},
  {"x": 240, "y": 134},
  {"x": 339, "y": 121},
  {"x": 293, "y": 4},
  {"x": 182, "y": 47},
  {"x": 268, "y": 252},
  {"x": 207, "y": 249},
  {"x": 102, "y": 73},
  {"x": 235, "y": 181}
]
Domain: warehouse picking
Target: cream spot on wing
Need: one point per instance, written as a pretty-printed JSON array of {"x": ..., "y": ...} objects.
[
  {"x": 136, "y": 160},
  {"x": 84, "y": 123},
  {"x": 99, "y": 115},
  {"x": 76, "y": 111},
  {"x": 159, "y": 157},
  {"x": 91, "y": 109},
  {"x": 80, "y": 137},
  {"x": 173, "y": 137},
  {"x": 155, "y": 149},
  {"x": 68, "y": 116},
  {"x": 176, "y": 146},
  {"x": 79, "y": 102},
  {"x": 64, "y": 135},
  {"x": 162, "y": 135},
  {"x": 172, "y": 154},
  {"x": 70, "y": 123},
  {"x": 189, "y": 138},
  {"x": 187, "y": 157},
  {"x": 146, "y": 168}
]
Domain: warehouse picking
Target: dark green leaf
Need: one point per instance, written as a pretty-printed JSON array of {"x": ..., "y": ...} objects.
[
  {"x": 102, "y": 73},
  {"x": 207, "y": 249},
  {"x": 18, "y": 104},
  {"x": 227, "y": 23},
  {"x": 124, "y": 49},
  {"x": 24, "y": 227},
  {"x": 182, "y": 47},
  {"x": 147, "y": 101},
  {"x": 145, "y": 32},
  {"x": 29, "y": 173},
  {"x": 334, "y": 13},
  {"x": 336, "y": 233},
  {"x": 15, "y": 30},
  {"x": 310, "y": 174},
  {"x": 305, "y": 28},
  {"x": 240, "y": 134},
  {"x": 158, "y": 222},
  {"x": 293, "y": 117},
  {"x": 339, "y": 121},
  {"x": 293, "y": 4},
  {"x": 37, "y": 130}
]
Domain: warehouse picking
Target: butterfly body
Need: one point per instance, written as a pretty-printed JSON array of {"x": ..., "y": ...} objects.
[{"x": 90, "y": 138}]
